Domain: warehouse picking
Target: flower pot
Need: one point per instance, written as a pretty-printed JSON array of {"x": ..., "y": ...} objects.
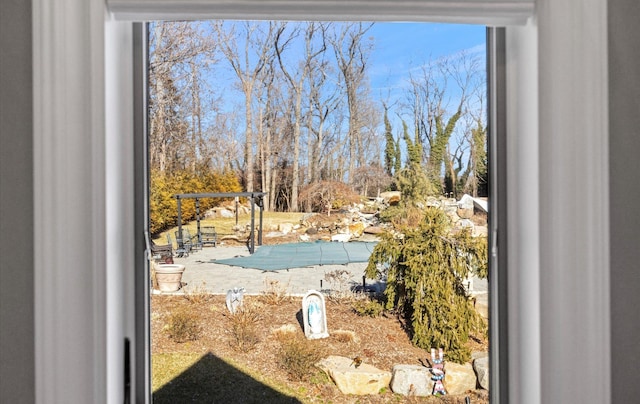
[{"x": 169, "y": 277}]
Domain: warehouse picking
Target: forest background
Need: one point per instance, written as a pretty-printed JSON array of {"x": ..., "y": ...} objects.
[{"x": 302, "y": 110}]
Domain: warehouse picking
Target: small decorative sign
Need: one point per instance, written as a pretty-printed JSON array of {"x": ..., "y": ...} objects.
[{"x": 437, "y": 372}]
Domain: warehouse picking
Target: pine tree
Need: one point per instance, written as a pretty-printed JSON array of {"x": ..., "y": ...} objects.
[
  {"x": 390, "y": 145},
  {"x": 424, "y": 272}
]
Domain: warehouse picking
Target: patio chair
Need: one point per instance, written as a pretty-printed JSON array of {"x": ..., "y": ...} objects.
[
  {"x": 184, "y": 243},
  {"x": 208, "y": 235},
  {"x": 190, "y": 240},
  {"x": 161, "y": 253}
]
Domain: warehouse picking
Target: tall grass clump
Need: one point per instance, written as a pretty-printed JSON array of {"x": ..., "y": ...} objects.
[
  {"x": 243, "y": 328},
  {"x": 184, "y": 325},
  {"x": 297, "y": 357}
]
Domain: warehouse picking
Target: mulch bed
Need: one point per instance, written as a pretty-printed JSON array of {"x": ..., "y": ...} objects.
[{"x": 379, "y": 341}]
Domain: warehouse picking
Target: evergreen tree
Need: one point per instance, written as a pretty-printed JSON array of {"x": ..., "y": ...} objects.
[
  {"x": 390, "y": 145},
  {"x": 398, "y": 161},
  {"x": 412, "y": 180},
  {"x": 478, "y": 162},
  {"x": 414, "y": 147},
  {"x": 424, "y": 271},
  {"x": 439, "y": 147}
]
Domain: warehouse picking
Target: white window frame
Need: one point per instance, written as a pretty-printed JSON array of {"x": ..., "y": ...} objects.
[{"x": 558, "y": 237}]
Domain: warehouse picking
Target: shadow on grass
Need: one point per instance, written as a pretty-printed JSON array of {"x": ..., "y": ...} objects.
[{"x": 212, "y": 380}]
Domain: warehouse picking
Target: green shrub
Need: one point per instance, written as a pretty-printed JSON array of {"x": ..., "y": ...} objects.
[
  {"x": 184, "y": 325},
  {"x": 368, "y": 308},
  {"x": 424, "y": 272},
  {"x": 163, "y": 207},
  {"x": 403, "y": 215}
]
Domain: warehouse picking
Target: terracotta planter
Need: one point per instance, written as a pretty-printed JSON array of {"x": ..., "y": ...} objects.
[{"x": 169, "y": 277}]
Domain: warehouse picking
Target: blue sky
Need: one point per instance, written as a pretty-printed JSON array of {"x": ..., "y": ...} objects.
[
  {"x": 397, "y": 49},
  {"x": 400, "y": 47}
]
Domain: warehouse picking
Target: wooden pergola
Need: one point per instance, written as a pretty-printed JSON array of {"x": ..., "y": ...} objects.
[{"x": 256, "y": 198}]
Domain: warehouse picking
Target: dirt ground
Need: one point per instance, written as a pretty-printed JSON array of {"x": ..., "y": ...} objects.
[{"x": 378, "y": 341}]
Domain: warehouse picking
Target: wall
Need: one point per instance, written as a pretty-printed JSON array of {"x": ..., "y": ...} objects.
[
  {"x": 16, "y": 200},
  {"x": 17, "y": 383},
  {"x": 624, "y": 147}
]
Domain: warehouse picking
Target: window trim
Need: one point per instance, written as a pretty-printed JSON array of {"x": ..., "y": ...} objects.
[
  {"x": 483, "y": 12},
  {"x": 82, "y": 201}
]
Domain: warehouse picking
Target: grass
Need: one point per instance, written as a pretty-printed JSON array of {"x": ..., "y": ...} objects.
[
  {"x": 242, "y": 328},
  {"x": 225, "y": 225},
  {"x": 297, "y": 356},
  {"x": 180, "y": 377}
]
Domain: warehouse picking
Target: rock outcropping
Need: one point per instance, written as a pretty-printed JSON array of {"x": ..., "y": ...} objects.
[{"x": 355, "y": 378}]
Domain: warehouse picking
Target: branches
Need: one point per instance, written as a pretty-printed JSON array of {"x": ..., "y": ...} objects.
[{"x": 288, "y": 104}]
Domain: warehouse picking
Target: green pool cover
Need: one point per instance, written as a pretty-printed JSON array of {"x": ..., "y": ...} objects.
[{"x": 298, "y": 255}]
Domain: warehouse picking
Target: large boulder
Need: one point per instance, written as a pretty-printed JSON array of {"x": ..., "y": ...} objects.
[
  {"x": 219, "y": 212},
  {"x": 465, "y": 207},
  {"x": 361, "y": 380},
  {"x": 391, "y": 197},
  {"x": 225, "y": 213},
  {"x": 459, "y": 378},
  {"x": 411, "y": 380}
]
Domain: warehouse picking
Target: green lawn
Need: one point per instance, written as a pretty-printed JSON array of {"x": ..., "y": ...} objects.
[
  {"x": 224, "y": 226},
  {"x": 182, "y": 377}
]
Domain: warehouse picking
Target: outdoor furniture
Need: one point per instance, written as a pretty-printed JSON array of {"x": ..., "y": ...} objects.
[
  {"x": 161, "y": 253},
  {"x": 186, "y": 243},
  {"x": 182, "y": 250},
  {"x": 190, "y": 240},
  {"x": 208, "y": 235}
]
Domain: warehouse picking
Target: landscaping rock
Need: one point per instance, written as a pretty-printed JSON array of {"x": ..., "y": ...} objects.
[
  {"x": 459, "y": 378},
  {"x": 481, "y": 367},
  {"x": 218, "y": 212},
  {"x": 465, "y": 207},
  {"x": 479, "y": 354},
  {"x": 374, "y": 230},
  {"x": 480, "y": 231},
  {"x": 356, "y": 229},
  {"x": 286, "y": 228},
  {"x": 411, "y": 380},
  {"x": 361, "y": 380},
  {"x": 225, "y": 213},
  {"x": 341, "y": 237},
  {"x": 391, "y": 197},
  {"x": 433, "y": 202}
]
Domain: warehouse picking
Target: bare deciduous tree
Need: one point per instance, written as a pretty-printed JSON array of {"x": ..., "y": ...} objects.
[
  {"x": 435, "y": 121},
  {"x": 255, "y": 41},
  {"x": 179, "y": 52},
  {"x": 352, "y": 51},
  {"x": 314, "y": 46}
]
